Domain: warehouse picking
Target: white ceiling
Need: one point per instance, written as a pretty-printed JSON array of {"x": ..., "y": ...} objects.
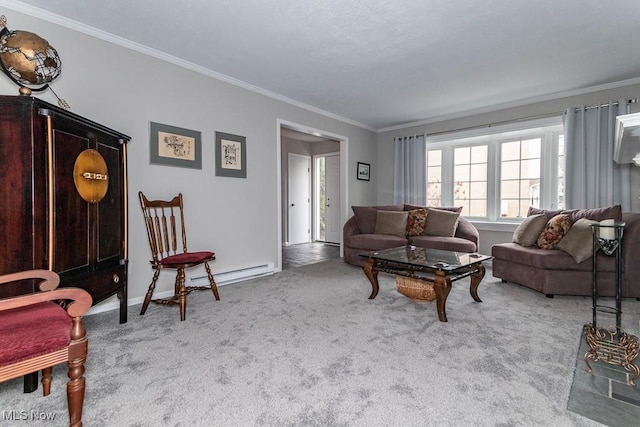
[{"x": 385, "y": 63}]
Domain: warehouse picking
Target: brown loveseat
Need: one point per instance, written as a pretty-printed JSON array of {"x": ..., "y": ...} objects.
[
  {"x": 556, "y": 271},
  {"x": 360, "y": 237}
]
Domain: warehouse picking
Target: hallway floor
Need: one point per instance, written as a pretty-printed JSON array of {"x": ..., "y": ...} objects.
[{"x": 308, "y": 253}]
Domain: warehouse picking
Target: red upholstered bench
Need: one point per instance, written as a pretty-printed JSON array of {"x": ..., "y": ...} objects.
[{"x": 37, "y": 334}]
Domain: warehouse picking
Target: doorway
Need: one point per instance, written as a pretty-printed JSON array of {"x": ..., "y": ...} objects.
[{"x": 303, "y": 141}]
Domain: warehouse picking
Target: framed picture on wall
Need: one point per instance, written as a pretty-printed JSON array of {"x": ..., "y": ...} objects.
[
  {"x": 174, "y": 146},
  {"x": 363, "y": 171},
  {"x": 231, "y": 155}
]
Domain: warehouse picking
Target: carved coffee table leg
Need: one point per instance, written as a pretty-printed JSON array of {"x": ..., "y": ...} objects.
[
  {"x": 371, "y": 271},
  {"x": 442, "y": 287},
  {"x": 476, "y": 278}
]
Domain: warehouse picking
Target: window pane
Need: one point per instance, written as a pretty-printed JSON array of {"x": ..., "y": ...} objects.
[
  {"x": 479, "y": 172},
  {"x": 510, "y": 170},
  {"x": 510, "y": 189},
  {"x": 461, "y": 173},
  {"x": 434, "y": 158},
  {"x": 478, "y": 190},
  {"x": 462, "y": 155},
  {"x": 461, "y": 190},
  {"x": 510, "y": 150},
  {"x": 531, "y": 148},
  {"x": 479, "y": 153},
  {"x": 434, "y": 174},
  {"x": 478, "y": 208},
  {"x": 531, "y": 168}
]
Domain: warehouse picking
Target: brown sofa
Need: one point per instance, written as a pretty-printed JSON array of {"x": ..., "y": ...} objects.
[
  {"x": 359, "y": 235},
  {"x": 556, "y": 272}
]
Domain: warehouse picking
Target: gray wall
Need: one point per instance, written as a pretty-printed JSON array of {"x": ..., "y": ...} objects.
[{"x": 124, "y": 89}]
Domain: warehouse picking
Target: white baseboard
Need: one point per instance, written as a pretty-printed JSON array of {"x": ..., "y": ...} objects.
[{"x": 222, "y": 279}]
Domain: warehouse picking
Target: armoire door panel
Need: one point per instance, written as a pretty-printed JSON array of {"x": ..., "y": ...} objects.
[
  {"x": 16, "y": 183},
  {"x": 72, "y": 232},
  {"x": 110, "y": 226}
]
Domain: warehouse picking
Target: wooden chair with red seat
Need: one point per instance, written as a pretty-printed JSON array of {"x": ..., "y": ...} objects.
[
  {"x": 164, "y": 220},
  {"x": 37, "y": 334}
]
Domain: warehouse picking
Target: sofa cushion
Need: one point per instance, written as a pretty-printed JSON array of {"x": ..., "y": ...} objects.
[
  {"x": 598, "y": 214},
  {"x": 548, "y": 214},
  {"x": 445, "y": 243},
  {"x": 611, "y": 212},
  {"x": 441, "y": 223},
  {"x": 578, "y": 242},
  {"x": 529, "y": 229},
  {"x": 416, "y": 221},
  {"x": 553, "y": 259},
  {"x": 389, "y": 222},
  {"x": 554, "y": 231},
  {"x": 366, "y": 216},
  {"x": 374, "y": 242}
]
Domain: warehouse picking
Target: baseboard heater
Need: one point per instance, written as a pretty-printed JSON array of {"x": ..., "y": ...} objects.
[
  {"x": 228, "y": 277},
  {"x": 224, "y": 278}
]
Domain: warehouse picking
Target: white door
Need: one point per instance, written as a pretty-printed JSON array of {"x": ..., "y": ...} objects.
[
  {"x": 332, "y": 188},
  {"x": 299, "y": 197}
]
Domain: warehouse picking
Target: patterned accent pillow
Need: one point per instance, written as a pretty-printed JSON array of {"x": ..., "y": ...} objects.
[
  {"x": 554, "y": 231},
  {"x": 416, "y": 220}
]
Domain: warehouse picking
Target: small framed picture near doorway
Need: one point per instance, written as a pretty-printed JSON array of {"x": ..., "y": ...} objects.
[
  {"x": 363, "y": 171},
  {"x": 231, "y": 155}
]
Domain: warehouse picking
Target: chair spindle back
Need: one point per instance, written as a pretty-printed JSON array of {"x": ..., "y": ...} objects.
[{"x": 164, "y": 220}]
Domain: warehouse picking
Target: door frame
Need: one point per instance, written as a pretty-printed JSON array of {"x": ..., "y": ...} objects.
[{"x": 344, "y": 177}]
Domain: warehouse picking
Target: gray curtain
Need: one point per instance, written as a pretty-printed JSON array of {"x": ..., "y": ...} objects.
[
  {"x": 410, "y": 175},
  {"x": 592, "y": 178}
]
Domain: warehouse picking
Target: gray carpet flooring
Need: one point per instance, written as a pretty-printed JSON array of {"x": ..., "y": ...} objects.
[{"x": 305, "y": 347}]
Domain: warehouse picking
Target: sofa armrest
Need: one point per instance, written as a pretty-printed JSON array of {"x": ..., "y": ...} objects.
[
  {"x": 350, "y": 229},
  {"x": 466, "y": 230}
]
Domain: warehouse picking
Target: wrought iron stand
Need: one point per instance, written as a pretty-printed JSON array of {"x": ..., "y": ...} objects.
[{"x": 610, "y": 345}]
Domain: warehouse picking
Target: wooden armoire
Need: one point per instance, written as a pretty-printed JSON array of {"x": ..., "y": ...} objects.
[{"x": 63, "y": 199}]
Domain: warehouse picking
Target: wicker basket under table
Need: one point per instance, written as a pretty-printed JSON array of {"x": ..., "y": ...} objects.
[{"x": 416, "y": 289}]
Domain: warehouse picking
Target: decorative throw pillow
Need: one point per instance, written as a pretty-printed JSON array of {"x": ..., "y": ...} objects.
[
  {"x": 554, "y": 231},
  {"x": 416, "y": 220},
  {"x": 578, "y": 242},
  {"x": 441, "y": 223},
  {"x": 529, "y": 229},
  {"x": 391, "y": 222}
]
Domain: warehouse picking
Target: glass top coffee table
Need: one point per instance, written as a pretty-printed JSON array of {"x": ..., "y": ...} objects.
[{"x": 434, "y": 267}]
